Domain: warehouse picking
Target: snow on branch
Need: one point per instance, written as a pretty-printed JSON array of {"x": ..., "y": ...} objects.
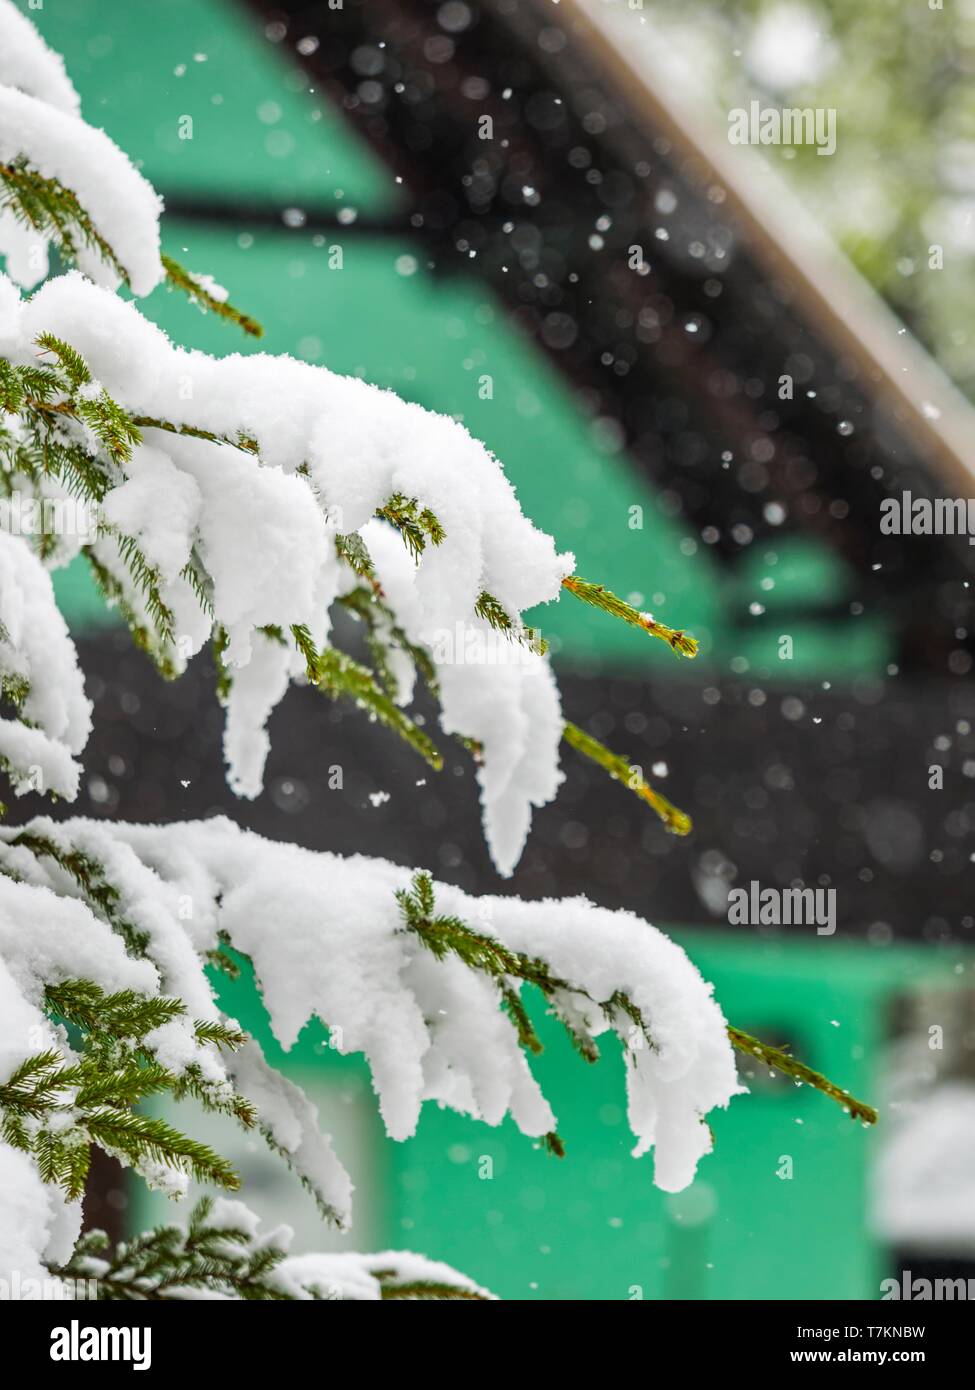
[
  {"x": 65, "y": 183},
  {"x": 221, "y": 1253},
  {"x": 27, "y": 63},
  {"x": 239, "y": 500},
  {"x": 39, "y": 678},
  {"x": 110, "y": 928}
]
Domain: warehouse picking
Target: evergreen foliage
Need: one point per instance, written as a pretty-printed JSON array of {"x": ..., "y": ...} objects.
[
  {"x": 222, "y": 1259},
  {"x": 56, "y": 1109}
]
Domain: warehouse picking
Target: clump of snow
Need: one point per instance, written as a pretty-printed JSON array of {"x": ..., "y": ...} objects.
[
  {"x": 28, "y": 64},
  {"x": 36, "y": 1223},
  {"x": 160, "y": 506},
  {"x": 35, "y": 649},
  {"x": 516, "y": 717},
  {"x": 123, "y": 207}
]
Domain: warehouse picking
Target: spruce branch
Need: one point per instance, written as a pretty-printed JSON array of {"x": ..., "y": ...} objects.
[
  {"x": 220, "y": 960},
  {"x": 65, "y": 390},
  {"x": 600, "y": 597},
  {"x": 352, "y": 549},
  {"x": 493, "y": 613},
  {"x": 138, "y": 1137},
  {"x": 552, "y": 1142},
  {"x": 148, "y": 581},
  {"x": 194, "y": 573},
  {"x": 618, "y": 767},
  {"x": 70, "y": 360},
  {"x": 384, "y": 631},
  {"x": 445, "y": 935},
  {"x": 145, "y": 638},
  {"x": 26, "y": 388},
  {"x": 55, "y": 1109},
  {"x": 339, "y": 675},
  {"x": 416, "y": 524},
  {"x": 218, "y": 649},
  {"x": 154, "y": 422},
  {"x": 448, "y": 935},
  {"x": 193, "y": 286},
  {"x": 326, "y": 1210},
  {"x": 367, "y": 602},
  {"x": 101, "y": 895},
  {"x": 48, "y": 207},
  {"x": 124, "y": 1014},
  {"x": 784, "y": 1062},
  {"x": 427, "y": 1290},
  {"x": 47, "y": 397},
  {"x": 215, "y": 1257},
  {"x": 171, "y": 1260},
  {"x": 30, "y": 1090},
  {"x": 221, "y": 1034}
]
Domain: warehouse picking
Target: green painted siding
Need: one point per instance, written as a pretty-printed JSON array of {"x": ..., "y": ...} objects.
[{"x": 258, "y": 130}]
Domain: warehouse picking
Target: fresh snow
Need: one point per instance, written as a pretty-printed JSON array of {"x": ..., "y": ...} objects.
[
  {"x": 332, "y": 450},
  {"x": 344, "y": 1277},
  {"x": 123, "y": 207},
  {"x": 40, "y": 122},
  {"x": 35, "y": 648},
  {"x": 28, "y": 64},
  {"x": 327, "y": 941}
]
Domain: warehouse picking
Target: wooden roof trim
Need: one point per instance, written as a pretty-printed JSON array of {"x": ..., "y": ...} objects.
[{"x": 783, "y": 237}]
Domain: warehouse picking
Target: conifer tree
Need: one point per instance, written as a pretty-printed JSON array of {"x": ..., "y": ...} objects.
[{"x": 232, "y": 505}]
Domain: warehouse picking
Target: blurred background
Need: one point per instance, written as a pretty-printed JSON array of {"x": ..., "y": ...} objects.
[{"x": 704, "y": 366}]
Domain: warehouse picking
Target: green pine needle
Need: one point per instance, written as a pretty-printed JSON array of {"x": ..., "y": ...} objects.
[
  {"x": 600, "y": 597},
  {"x": 676, "y": 821},
  {"x": 181, "y": 279}
]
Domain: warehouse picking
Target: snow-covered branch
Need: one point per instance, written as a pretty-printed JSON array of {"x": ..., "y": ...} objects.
[
  {"x": 328, "y": 940},
  {"x": 221, "y": 1253}
]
